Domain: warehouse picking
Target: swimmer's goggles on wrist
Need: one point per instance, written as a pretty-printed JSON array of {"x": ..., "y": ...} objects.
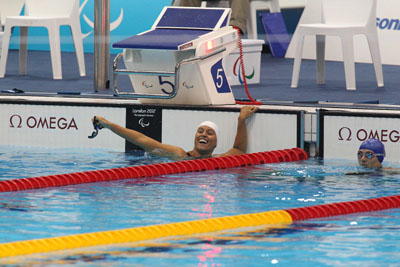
[
  {"x": 368, "y": 154},
  {"x": 97, "y": 126}
]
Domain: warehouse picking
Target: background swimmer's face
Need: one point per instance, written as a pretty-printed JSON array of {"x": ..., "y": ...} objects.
[
  {"x": 367, "y": 162},
  {"x": 205, "y": 140}
]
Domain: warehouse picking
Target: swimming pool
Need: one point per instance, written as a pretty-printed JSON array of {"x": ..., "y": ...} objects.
[{"x": 357, "y": 239}]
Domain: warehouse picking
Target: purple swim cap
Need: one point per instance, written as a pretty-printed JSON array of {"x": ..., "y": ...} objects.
[{"x": 376, "y": 146}]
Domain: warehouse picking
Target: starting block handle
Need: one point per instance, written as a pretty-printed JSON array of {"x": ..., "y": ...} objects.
[{"x": 117, "y": 71}]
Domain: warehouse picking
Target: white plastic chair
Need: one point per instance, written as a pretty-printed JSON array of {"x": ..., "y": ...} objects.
[
  {"x": 50, "y": 14},
  {"x": 9, "y": 8},
  {"x": 343, "y": 18}
]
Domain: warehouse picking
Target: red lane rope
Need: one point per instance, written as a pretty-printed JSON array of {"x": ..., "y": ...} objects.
[
  {"x": 252, "y": 100},
  {"x": 342, "y": 208},
  {"x": 286, "y": 155}
]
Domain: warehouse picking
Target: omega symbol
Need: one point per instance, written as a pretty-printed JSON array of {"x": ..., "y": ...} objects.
[
  {"x": 342, "y": 133},
  {"x": 18, "y": 119}
]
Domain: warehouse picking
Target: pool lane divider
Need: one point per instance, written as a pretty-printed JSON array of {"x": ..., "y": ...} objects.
[
  {"x": 195, "y": 165},
  {"x": 278, "y": 218}
]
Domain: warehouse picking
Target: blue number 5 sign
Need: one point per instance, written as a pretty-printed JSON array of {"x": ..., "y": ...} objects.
[{"x": 219, "y": 77}]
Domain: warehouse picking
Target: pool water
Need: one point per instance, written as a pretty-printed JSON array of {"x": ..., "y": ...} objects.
[{"x": 368, "y": 239}]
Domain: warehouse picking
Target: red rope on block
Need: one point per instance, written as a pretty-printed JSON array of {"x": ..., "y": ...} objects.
[
  {"x": 341, "y": 208},
  {"x": 294, "y": 154},
  {"x": 246, "y": 87}
]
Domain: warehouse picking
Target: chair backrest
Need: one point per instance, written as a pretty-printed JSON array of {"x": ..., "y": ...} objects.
[
  {"x": 10, "y": 8},
  {"x": 349, "y": 11},
  {"x": 53, "y": 8}
]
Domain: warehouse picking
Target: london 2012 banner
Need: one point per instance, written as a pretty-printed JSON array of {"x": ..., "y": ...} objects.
[{"x": 388, "y": 26}]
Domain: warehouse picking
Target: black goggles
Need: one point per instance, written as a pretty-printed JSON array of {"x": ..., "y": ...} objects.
[{"x": 97, "y": 127}]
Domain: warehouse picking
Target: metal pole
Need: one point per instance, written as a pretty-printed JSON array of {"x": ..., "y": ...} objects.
[{"x": 101, "y": 45}]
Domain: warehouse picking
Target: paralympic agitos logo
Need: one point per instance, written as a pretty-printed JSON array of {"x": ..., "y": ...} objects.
[
  {"x": 38, "y": 122},
  {"x": 384, "y": 135},
  {"x": 237, "y": 71}
]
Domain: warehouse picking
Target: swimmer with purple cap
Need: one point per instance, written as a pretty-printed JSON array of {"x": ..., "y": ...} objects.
[
  {"x": 371, "y": 154},
  {"x": 205, "y": 140}
]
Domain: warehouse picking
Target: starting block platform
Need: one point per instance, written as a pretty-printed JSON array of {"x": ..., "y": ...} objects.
[{"x": 179, "y": 60}]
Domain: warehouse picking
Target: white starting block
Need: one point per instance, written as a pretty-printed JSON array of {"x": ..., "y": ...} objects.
[{"x": 179, "y": 60}]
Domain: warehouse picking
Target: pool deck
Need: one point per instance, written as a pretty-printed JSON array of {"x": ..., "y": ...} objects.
[{"x": 274, "y": 88}]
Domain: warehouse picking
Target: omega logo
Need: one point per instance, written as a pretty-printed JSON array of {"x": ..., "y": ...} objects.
[
  {"x": 384, "y": 135},
  {"x": 345, "y": 131},
  {"x": 16, "y": 121}
]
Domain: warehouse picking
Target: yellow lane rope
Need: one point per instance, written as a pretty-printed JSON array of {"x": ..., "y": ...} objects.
[{"x": 136, "y": 234}]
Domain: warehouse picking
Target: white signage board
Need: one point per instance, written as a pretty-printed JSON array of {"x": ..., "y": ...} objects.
[
  {"x": 58, "y": 126},
  {"x": 341, "y": 134},
  {"x": 387, "y": 23},
  {"x": 266, "y": 130}
]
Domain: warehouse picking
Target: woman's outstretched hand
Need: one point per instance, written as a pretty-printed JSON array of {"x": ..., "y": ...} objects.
[
  {"x": 102, "y": 121},
  {"x": 247, "y": 111}
]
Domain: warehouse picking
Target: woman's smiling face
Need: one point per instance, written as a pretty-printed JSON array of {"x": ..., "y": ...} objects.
[{"x": 205, "y": 140}]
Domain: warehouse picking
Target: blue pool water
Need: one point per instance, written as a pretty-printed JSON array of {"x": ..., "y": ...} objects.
[{"x": 367, "y": 239}]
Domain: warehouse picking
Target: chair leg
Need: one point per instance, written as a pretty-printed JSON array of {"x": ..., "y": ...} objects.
[
  {"x": 4, "y": 50},
  {"x": 297, "y": 59},
  {"x": 376, "y": 57},
  {"x": 348, "y": 59},
  {"x": 23, "y": 49},
  {"x": 77, "y": 38},
  {"x": 55, "y": 50},
  {"x": 320, "y": 44}
]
